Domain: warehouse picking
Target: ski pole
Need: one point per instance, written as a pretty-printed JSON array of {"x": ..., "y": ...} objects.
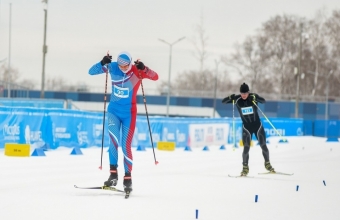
[
  {"x": 234, "y": 132},
  {"x": 268, "y": 121},
  {"x": 106, "y": 73},
  {"x": 147, "y": 117}
]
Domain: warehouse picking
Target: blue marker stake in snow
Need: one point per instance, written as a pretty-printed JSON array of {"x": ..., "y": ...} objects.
[
  {"x": 256, "y": 198},
  {"x": 297, "y": 188},
  {"x": 324, "y": 183},
  {"x": 196, "y": 213}
]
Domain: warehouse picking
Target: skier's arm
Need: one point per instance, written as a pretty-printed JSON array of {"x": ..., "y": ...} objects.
[
  {"x": 145, "y": 72},
  {"x": 99, "y": 67},
  {"x": 149, "y": 74},
  {"x": 256, "y": 98},
  {"x": 229, "y": 99}
]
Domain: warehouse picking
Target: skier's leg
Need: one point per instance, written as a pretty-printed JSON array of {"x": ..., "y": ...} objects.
[
  {"x": 246, "y": 138},
  {"x": 261, "y": 137},
  {"x": 114, "y": 134},
  {"x": 128, "y": 129}
]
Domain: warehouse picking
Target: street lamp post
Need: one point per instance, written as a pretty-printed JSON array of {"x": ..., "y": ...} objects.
[
  {"x": 215, "y": 87},
  {"x": 9, "y": 53},
  {"x": 327, "y": 92},
  {"x": 169, "y": 76},
  {"x": 42, "y": 92},
  {"x": 298, "y": 75},
  {"x": 316, "y": 74}
]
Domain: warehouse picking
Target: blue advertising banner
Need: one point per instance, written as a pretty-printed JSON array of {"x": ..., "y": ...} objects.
[
  {"x": 327, "y": 128},
  {"x": 183, "y": 131},
  {"x": 51, "y": 128},
  {"x": 24, "y": 126},
  {"x": 162, "y": 129},
  {"x": 276, "y": 127},
  {"x": 285, "y": 127},
  {"x": 74, "y": 128}
]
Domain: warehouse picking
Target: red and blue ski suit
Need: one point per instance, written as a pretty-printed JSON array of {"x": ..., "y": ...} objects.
[{"x": 122, "y": 109}]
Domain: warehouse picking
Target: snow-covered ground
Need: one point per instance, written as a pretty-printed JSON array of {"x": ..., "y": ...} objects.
[{"x": 183, "y": 182}]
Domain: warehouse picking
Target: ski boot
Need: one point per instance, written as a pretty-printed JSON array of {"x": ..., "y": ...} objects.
[
  {"x": 245, "y": 170},
  {"x": 269, "y": 167},
  {"x": 113, "y": 178},
  {"x": 127, "y": 183}
]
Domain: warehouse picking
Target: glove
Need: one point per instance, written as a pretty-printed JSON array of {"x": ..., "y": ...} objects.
[
  {"x": 228, "y": 98},
  {"x": 140, "y": 65},
  {"x": 253, "y": 97},
  {"x": 107, "y": 59}
]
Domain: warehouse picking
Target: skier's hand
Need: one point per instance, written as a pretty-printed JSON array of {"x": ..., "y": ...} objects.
[
  {"x": 253, "y": 97},
  {"x": 140, "y": 65},
  {"x": 107, "y": 59}
]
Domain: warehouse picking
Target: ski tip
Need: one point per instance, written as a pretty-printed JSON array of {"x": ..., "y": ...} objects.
[
  {"x": 156, "y": 162},
  {"x": 75, "y": 186},
  {"x": 234, "y": 176},
  {"x": 100, "y": 167}
]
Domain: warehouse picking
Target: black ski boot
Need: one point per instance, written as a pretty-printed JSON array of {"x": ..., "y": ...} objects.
[
  {"x": 245, "y": 170},
  {"x": 127, "y": 183},
  {"x": 269, "y": 167},
  {"x": 113, "y": 178}
]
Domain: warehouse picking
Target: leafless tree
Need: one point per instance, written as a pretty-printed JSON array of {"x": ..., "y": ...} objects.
[
  {"x": 52, "y": 84},
  {"x": 332, "y": 31},
  {"x": 280, "y": 38},
  {"x": 8, "y": 76},
  {"x": 270, "y": 56},
  {"x": 28, "y": 83},
  {"x": 200, "y": 43},
  {"x": 249, "y": 60},
  {"x": 201, "y": 79},
  {"x": 59, "y": 84}
]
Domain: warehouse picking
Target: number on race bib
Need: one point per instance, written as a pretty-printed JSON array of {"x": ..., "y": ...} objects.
[{"x": 247, "y": 110}]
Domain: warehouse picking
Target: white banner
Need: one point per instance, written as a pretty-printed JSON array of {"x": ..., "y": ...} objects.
[{"x": 208, "y": 134}]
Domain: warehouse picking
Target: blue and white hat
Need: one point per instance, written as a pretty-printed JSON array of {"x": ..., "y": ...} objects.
[{"x": 124, "y": 58}]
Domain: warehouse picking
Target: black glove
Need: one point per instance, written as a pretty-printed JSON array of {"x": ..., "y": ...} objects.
[
  {"x": 107, "y": 59},
  {"x": 140, "y": 65},
  {"x": 228, "y": 98},
  {"x": 252, "y": 97}
]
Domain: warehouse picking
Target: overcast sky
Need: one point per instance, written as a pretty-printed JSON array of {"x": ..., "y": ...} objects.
[{"x": 79, "y": 33}]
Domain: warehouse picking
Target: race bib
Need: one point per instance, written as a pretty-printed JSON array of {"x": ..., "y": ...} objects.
[
  {"x": 120, "y": 92},
  {"x": 247, "y": 110}
]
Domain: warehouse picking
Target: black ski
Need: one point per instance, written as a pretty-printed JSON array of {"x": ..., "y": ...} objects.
[
  {"x": 111, "y": 188},
  {"x": 239, "y": 176},
  {"x": 275, "y": 172}
]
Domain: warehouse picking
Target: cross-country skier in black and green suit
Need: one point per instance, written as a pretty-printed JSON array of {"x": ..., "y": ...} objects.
[{"x": 251, "y": 124}]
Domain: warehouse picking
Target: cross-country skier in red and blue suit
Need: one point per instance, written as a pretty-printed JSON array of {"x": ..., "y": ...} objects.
[{"x": 122, "y": 110}]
